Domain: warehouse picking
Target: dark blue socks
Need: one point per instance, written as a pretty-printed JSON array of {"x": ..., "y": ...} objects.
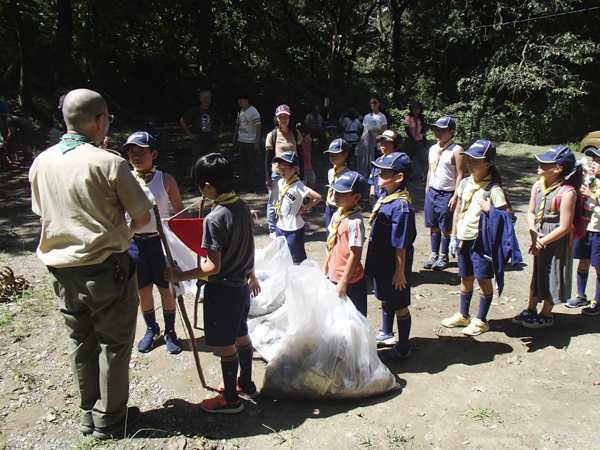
[
  {"x": 435, "y": 239},
  {"x": 229, "y": 367},
  {"x": 169, "y": 317},
  {"x": 445, "y": 245},
  {"x": 582, "y": 278},
  {"x": 387, "y": 319},
  {"x": 404, "y": 323},
  {"x": 485, "y": 301},
  {"x": 149, "y": 318},
  {"x": 465, "y": 302},
  {"x": 245, "y": 358}
]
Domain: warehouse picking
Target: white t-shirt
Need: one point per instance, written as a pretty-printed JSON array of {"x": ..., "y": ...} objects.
[
  {"x": 290, "y": 205},
  {"x": 246, "y": 122},
  {"x": 351, "y": 127},
  {"x": 444, "y": 177},
  {"x": 467, "y": 227},
  {"x": 372, "y": 121}
]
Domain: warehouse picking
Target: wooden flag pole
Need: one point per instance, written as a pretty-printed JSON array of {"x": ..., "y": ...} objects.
[
  {"x": 181, "y": 303},
  {"x": 200, "y": 283}
]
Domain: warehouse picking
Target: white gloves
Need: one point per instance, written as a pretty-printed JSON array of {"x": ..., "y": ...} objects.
[{"x": 453, "y": 246}]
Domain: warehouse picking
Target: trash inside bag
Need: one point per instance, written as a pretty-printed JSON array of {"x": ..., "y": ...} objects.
[
  {"x": 328, "y": 348},
  {"x": 269, "y": 266}
]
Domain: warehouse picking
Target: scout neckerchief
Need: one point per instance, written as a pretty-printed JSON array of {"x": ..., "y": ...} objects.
[
  {"x": 475, "y": 186},
  {"x": 439, "y": 154},
  {"x": 69, "y": 141},
  {"x": 403, "y": 194},
  {"x": 594, "y": 186},
  {"x": 284, "y": 191},
  {"x": 225, "y": 199},
  {"x": 336, "y": 171},
  {"x": 546, "y": 191},
  {"x": 336, "y": 223},
  {"x": 142, "y": 177}
]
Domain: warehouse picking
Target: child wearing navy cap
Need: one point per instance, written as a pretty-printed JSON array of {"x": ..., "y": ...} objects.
[
  {"x": 390, "y": 253},
  {"x": 446, "y": 171},
  {"x": 338, "y": 156},
  {"x": 229, "y": 266},
  {"x": 550, "y": 225},
  {"x": 476, "y": 194},
  {"x": 289, "y": 208},
  {"x": 345, "y": 241},
  {"x": 389, "y": 141},
  {"x": 587, "y": 249},
  {"x": 146, "y": 247}
]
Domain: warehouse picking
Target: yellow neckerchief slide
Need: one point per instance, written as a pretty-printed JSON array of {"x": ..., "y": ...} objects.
[
  {"x": 142, "y": 177},
  {"x": 336, "y": 223},
  {"x": 475, "y": 186},
  {"x": 336, "y": 171},
  {"x": 546, "y": 190},
  {"x": 283, "y": 192},
  {"x": 225, "y": 199},
  {"x": 439, "y": 154},
  {"x": 403, "y": 194}
]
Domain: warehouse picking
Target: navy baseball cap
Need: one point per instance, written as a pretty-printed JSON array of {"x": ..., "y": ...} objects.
[
  {"x": 481, "y": 149},
  {"x": 444, "y": 122},
  {"x": 350, "y": 182},
  {"x": 561, "y": 155},
  {"x": 397, "y": 161},
  {"x": 288, "y": 157},
  {"x": 592, "y": 152},
  {"x": 338, "y": 146},
  {"x": 140, "y": 138},
  {"x": 388, "y": 135}
]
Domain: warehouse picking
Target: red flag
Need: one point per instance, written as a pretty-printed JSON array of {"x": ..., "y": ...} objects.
[{"x": 190, "y": 233}]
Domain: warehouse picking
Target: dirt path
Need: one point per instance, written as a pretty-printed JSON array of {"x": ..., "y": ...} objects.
[{"x": 509, "y": 388}]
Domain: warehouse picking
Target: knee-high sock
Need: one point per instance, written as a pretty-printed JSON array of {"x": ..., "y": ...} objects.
[
  {"x": 150, "y": 318},
  {"x": 485, "y": 301},
  {"x": 245, "y": 357},
  {"x": 445, "y": 245},
  {"x": 582, "y": 278},
  {"x": 169, "y": 317},
  {"x": 435, "y": 239},
  {"x": 387, "y": 319},
  {"x": 229, "y": 367},
  {"x": 465, "y": 302},
  {"x": 597, "y": 296},
  {"x": 404, "y": 323}
]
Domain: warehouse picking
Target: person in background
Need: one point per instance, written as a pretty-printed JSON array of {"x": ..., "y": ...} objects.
[{"x": 247, "y": 137}]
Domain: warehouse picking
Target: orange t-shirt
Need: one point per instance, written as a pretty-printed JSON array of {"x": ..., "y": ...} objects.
[{"x": 350, "y": 233}]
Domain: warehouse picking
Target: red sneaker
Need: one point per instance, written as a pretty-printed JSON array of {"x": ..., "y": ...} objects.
[
  {"x": 250, "y": 392},
  {"x": 218, "y": 405}
]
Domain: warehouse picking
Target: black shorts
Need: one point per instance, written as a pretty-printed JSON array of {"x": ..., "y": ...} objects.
[
  {"x": 148, "y": 253},
  {"x": 225, "y": 313}
]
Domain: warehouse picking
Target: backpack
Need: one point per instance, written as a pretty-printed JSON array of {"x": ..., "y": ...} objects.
[{"x": 580, "y": 222}]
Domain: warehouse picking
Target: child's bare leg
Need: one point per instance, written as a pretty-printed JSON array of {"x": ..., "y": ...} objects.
[
  {"x": 533, "y": 301},
  {"x": 546, "y": 308},
  {"x": 147, "y": 306},
  {"x": 167, "y": 300},
  {"x": 485, "y": 298}
]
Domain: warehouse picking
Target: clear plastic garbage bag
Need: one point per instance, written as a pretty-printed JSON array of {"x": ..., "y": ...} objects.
[
  {"x": 270, "y": 263},
  {"x": 328, "y": 349}
]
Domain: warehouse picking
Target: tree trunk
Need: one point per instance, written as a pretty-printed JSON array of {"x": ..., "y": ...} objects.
[
  {"x": 23, "y": 43},
  {"x": 397, "y": 8},
  {"x": 64, "y": 42}
]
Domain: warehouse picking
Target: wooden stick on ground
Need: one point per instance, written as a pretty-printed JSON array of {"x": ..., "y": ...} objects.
[{"x": 181, "y": 303}]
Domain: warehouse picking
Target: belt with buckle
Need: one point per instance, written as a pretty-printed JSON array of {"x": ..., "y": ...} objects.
[{"x": 145, "y": 236}]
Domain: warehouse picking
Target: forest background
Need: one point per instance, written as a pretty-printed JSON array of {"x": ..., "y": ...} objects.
[{"x": 510, "y": 70}]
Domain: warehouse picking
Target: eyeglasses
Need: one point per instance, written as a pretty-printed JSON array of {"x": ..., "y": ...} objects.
[{"x": 110, "y": 117}]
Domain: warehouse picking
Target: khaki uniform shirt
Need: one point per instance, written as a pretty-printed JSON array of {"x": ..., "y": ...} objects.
[{"x": 82, "y": 197}]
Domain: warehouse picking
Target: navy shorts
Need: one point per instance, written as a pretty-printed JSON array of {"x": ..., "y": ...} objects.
[
  {"x": 386, "y": 292},
  {"x": 471, "y": 263},
  {"x": 295, "y": 241},
  {"x": 150, "y": 259},
  {"x": 588, "y": 247},
  {"x": 437, "y": 211},
  {"x": 329, "y": 212},
  {"x": 225, "y": 313},
  {"x": 357, "y": 293}
]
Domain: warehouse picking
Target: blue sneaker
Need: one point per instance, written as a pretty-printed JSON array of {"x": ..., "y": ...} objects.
[
  {"x": 538, "y": 321},
  {"x": 432, "y": 259},
  {"x": 441, "y": 263},
  {"x": 392, "y": 354},
  {"x": 152, "y": 335},
  {"x": 593, "y": 310},
  {"x": 577, "y": 301},
  {"x": 525, "y": 314},
  {"x": 385, "y": 340},
  {"x": 172, "y": 343}
]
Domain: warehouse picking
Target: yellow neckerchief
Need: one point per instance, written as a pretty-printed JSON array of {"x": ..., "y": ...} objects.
[
  {"x": 475, "y": 186},
  {"x": 403, "y": 194},
  {"x": 142, "y": 177},
  {"x": 546, "y": 191},
  {"x": 439, "y": 155},
  {"x": 225, "y": 199},
  {"x": 283, "y": 192},
  {"x": 336, "y": 171},
  {"x": 595, "y": 187},
  {"x": 336, "y": 223}
]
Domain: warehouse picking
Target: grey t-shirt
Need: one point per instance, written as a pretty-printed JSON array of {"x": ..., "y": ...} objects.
[{"x": 228, "y": 229}]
